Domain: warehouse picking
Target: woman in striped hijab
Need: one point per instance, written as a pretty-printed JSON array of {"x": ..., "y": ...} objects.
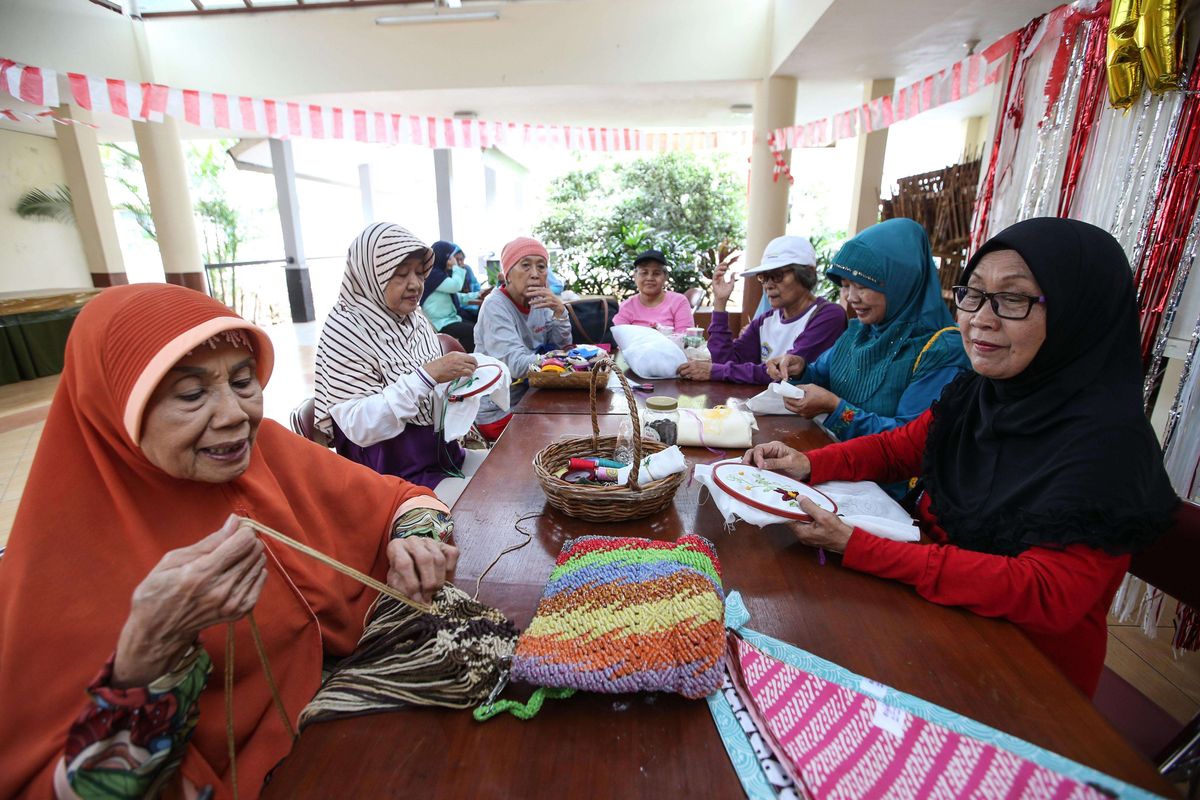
[{"x": 379, "y": 360}]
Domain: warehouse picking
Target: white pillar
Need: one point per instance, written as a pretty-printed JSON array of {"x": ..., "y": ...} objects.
[
  {"x": 368, "y": 199},
  {"x": 442, "y": 172},
  {"x": 80, "y": 152},
  {"x": 868, "y": 169},
  {"x": 299, "y": 286},
  {"x": 774, "y": 107},
  {"x": 166, "y": 175}
]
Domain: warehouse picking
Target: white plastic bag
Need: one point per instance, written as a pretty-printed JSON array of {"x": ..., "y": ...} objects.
[
  {"x": 770, "y": 400},
  {"x": 649, "y": 353}
]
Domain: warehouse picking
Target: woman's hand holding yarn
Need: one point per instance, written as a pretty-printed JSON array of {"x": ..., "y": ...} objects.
[
  {"x": 776, "y": 456},
  {"x": 451, "y": 366},
  {"x": 825, "y": 531},
  {"x": 216, "y": 580},
  {"x": 816, "y": 400},
  {"x": 418, "y": 566}
]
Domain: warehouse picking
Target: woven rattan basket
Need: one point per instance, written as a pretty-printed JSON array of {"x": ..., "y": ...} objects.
[
  {"x": 568, "y": 380},
  {"x": 616, "y": 503}
]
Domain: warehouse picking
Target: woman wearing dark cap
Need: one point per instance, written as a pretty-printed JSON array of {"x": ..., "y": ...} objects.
[
  {"x": 1041, "y": 472},
  {"x": 654, "y": 306}
]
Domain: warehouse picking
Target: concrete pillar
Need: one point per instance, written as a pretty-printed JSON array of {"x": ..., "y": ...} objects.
[
  {"x": 774, "y": 107},
  {"x": 868, "y": 169},
  {"x": 442, "y": 172},
  {"x": 89, "y": 198},
  {"x": 299, "y": 285},
  {"x": 368, "y": 199},
  {"x": 170, "y": 202}
]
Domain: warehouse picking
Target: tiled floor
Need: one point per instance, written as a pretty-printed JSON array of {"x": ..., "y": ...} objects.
[{"x": 1148, "y": 664}]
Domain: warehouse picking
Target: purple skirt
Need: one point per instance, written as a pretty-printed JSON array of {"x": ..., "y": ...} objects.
[{"x": 418, "y": 455}]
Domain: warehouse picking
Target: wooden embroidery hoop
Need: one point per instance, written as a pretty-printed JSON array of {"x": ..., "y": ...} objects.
[
  {"x": 799, "y": 516},
  {"x": 454, "y": 398}
]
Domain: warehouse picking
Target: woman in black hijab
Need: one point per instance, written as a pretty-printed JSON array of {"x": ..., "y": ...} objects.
[{"x": 1041, "y": 472}]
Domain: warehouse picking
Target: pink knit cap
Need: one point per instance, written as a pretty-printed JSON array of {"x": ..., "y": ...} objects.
[{"x": 519, "y": 248}]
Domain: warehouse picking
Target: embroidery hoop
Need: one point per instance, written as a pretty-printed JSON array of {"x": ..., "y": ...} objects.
[
  {"x": 454, "y": 398},
  {"x": 807, "y": 490}
]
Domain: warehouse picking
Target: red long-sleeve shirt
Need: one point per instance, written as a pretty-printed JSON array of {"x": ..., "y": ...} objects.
[{"x": 1058, "y": 596}]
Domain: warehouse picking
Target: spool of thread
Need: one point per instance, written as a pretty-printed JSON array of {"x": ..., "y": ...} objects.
[
  {"x": 583, "y": 463},
  {"x": 552, "y": 368},
  {"x": 606, "y": 474}
]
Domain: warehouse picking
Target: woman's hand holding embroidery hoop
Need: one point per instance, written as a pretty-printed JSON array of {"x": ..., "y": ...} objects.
[
  {"x": 451, "y": 366},
  {"x": 778, "y": 456},
  {"x": 218, "y": 579},
  {"x": 816, "y": 400},
  {"x": 826, "y": 531}
]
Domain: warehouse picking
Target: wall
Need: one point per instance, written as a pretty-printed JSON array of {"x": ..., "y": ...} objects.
[
  {"x": 35, "y": 254},
  {"x": 72, "y": 35}
]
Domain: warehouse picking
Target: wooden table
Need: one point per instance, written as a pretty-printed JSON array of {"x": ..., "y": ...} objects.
[
  {"x": 691, "y": 394},
  {"x": 653, "y": 745}
]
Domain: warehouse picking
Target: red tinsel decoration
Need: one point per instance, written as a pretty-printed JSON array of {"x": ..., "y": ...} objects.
[
  {"x": 1093, "y": 88},
  {"x": 983, "y": 205},
  {"x": 1173, "y": 208}
]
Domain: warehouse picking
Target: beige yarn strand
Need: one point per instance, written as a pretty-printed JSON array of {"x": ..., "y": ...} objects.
[{"x": 361, "y": 577}]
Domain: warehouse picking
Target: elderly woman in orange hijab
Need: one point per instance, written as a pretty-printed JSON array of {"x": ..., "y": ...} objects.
[{"x": 127, "y": 558}]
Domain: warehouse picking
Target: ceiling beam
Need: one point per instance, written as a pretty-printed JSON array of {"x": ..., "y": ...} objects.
[{"x": 305, "y": 6}]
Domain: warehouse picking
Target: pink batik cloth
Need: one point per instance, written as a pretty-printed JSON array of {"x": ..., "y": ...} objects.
[{"x": 826, "y": 736}]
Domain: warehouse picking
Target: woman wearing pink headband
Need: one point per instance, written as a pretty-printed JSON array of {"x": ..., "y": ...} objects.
[{"x": 517, "y": 320}]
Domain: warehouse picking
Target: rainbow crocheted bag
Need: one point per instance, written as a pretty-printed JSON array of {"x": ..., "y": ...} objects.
[{"x": 624, "y": 615}]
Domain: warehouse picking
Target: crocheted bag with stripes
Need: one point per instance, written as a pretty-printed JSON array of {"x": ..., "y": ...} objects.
[{"x": 628, "y": 615}]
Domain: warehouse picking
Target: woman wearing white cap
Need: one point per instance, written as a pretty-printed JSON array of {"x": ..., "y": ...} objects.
[{"x": 799, "y": 323}]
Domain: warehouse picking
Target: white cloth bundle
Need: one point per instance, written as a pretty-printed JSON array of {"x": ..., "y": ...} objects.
[
  {"x": 770, "y": 400},
  {"x": 656, "y": 466},
  {"x": 723, "y": 426},
  {"x": 458, "y": 417},
  {"x": 649, "y": 353},
  {"x": 861, "y": 504}
]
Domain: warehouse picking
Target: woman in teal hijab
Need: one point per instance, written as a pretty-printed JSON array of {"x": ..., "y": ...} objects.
[{"x": 901, "y": 347}]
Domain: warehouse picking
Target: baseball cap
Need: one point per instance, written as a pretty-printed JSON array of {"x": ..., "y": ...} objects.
[
  {"x": 651, "y": 255},
  {"x": 784, "y": 251}
]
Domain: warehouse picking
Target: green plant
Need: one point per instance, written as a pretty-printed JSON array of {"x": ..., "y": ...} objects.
[
  {"x": 600, "y": 219},
  {"x": 41, "y": 204}
]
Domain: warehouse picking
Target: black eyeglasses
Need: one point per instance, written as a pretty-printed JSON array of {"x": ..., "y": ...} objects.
[
  {"x": 775, "y": 276},
  {"x": 1006, "y": 305}
]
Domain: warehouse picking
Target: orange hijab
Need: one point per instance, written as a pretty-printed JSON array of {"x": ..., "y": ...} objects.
[{"x": 96, "y": 516}]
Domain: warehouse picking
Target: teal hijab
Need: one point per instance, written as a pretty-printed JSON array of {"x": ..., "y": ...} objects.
[{"x": 872, "y": 365}]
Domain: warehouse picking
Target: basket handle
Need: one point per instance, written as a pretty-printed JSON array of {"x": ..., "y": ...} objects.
[{"x": 598, "y": 369}]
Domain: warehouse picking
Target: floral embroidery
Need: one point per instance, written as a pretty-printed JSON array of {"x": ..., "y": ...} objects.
[{"x": 848, "y": 415}]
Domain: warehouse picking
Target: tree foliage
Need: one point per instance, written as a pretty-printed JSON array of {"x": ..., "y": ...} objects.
[
  {"x": 41, "y": 204},
  {"x": 690, "y": 208}
]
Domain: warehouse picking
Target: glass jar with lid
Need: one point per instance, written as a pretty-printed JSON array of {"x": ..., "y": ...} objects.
[{"x": 660, "y": 420}]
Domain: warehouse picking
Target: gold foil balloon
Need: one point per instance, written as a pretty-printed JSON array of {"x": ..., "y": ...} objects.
[
  {"x": 1155, "y": 39},
  {"x": 1124, "y": 61}
]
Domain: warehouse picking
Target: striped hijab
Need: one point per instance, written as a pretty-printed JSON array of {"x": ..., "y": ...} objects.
[{"x": 366, "y": 346}]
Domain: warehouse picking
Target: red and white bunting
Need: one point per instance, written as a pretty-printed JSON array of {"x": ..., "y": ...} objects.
[
  {"x": 955, "y": 82},
  {"x": 283, "y": 119},
  {"x": 31, "y": 84},
  {"x": 38, "y": 116}
]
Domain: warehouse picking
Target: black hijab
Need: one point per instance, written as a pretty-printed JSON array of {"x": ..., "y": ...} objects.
[
  {"x": 441, "y": 269},
  {"x": 1061, "y": 453}
]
